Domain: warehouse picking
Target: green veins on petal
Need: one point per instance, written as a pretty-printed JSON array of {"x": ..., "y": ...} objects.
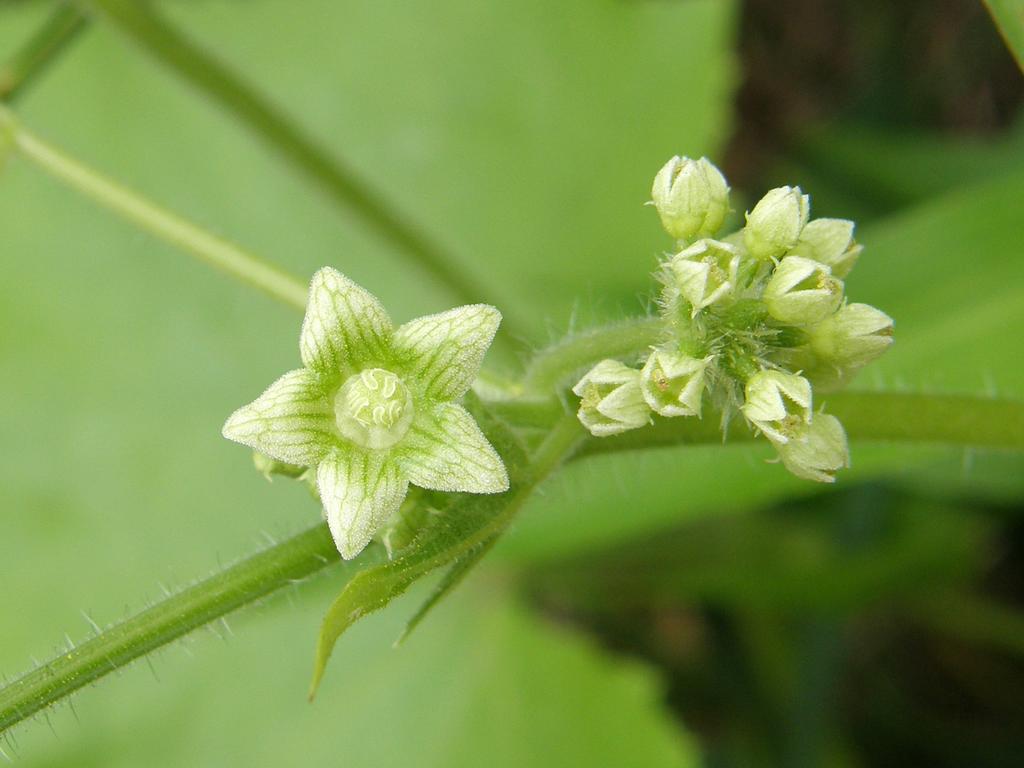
[{"x": 372, "y": 409}]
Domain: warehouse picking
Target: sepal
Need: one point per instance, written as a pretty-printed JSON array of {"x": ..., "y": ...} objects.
[
  {"x": 818, "y": 451},
  {"x": 802, "y": 292},
  {"x": 777, "y": 403},
  {"x": 704, "y": 273},
  {"x": 853, "y": 336},
  {"x": 829, "y": 242},
  {"x": 611, "y": 399},
  {"x": 673, "y": 383}
]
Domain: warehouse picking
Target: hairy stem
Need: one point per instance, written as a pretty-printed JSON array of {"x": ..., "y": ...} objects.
[
  {"x": 552, "y": 366},
  {"x": 49, "y": 41},
  {"x": 142, "y": 25},
  {"x": 158, "y": 221},
  {"x": 249, "y": 580},
  {"x": 376, "y": 587},
  {"x": 869, "y": 416}
]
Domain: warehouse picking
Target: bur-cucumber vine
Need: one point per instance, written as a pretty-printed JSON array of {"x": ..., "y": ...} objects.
[{"x": 467, "y": 525}]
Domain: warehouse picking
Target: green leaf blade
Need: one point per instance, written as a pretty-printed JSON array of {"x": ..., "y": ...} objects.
[{"x": 1009, "y": 17}]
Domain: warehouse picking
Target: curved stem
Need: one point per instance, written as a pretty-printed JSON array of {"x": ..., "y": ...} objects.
[
  {"x": 868, "y": 416},
  {"x": 49, "y": 41},
  {"x": 144, "y": 27},
  {"x": 245, "y": 582},
  {"x": 166, "y": 225},
  {"x": 551, "y": 367}
]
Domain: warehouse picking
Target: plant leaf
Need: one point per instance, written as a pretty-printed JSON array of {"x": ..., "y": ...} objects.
[
  {"x": 451, "y": 579},
  {"x": 1009, "y": 17},
  {"x": 455, "y": 531}
]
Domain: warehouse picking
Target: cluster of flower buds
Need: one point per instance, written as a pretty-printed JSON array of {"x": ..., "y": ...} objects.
[{"x": 755, "y": 321}]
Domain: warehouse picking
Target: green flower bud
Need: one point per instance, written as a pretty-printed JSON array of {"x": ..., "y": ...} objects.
[
  {"x": 775, "y": 224},
  {"x": 705, "y": 272},
  {"x": 818, "y": 451},
  {"x": 802, "y": 292},
  {"x": 853, "y": 336},
  {"x": 778, "y": 404},
  {"x": 829, "y": 242},
  {"x": 691, "y": 196},
  {"x": 611, "y": 399},
  {"x": 673, "y": 384}
]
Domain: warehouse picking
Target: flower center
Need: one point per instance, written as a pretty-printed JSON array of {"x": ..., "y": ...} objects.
[{"x": 373, "y": 409}]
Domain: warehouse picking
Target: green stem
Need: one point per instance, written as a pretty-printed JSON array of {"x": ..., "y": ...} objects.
[
  {"x": 49, "y": 41},
  {"x": 551, "y": 367},
  {"x": 376, "y": 587},
  {"x": 160, "y": 222},
  {"x": 985, "y": 422},
  {"x": 143, "y": 26},
  {"x": 867, "y": 416},
  {"x": 245, "y": 582}
]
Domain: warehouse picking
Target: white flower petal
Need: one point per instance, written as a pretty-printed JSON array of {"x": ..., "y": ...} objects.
[
  {"x": 344, "y": 327},
  {"x": 443, "y": 352},
  {"x": 360, "y": 491},
  {"x": 291, "y": 422},
  {"x": 446, "y": 451}
]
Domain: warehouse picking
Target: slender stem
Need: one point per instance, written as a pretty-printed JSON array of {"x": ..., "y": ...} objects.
[
  {"x": 160, "y": 222},
  {"x": 143, "y": 26},
  {"x": 868, "y": 416},
  {"x": 985, "y": 422},
  {"x": 49, "y": 41},
  {"x": 249, "y": 580},
  {"x": 886, "y": 416},
  {"x": 374, "y": 588},
  {"x": 956, "y": 419},
  {"x": 552, "y": 366}
]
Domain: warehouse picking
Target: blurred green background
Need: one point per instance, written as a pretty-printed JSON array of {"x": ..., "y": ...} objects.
[{"x": 682, "y": 607}]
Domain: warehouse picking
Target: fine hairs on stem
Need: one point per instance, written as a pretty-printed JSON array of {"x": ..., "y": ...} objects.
[{"x": 373, "y": 578}]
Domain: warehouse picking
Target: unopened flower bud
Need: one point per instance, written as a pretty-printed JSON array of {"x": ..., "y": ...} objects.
[
  {"x": 853, "y": 336},
  {"x": 775, "y": 224},
  {"x": 829, "y": 242},
  {"x": 778, "y": 404},
  {"x": 673, "y": 383},
  {"x": 802, "y": 291},
  {"x": 691, "y": 196},
  {"x": 705, "y": 272},
  {"x": 818, "y": 451},
  {"x": 611, "y": 399}
]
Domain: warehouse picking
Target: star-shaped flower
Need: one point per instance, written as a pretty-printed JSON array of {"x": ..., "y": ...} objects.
[{"x": 374, "y": 408}]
